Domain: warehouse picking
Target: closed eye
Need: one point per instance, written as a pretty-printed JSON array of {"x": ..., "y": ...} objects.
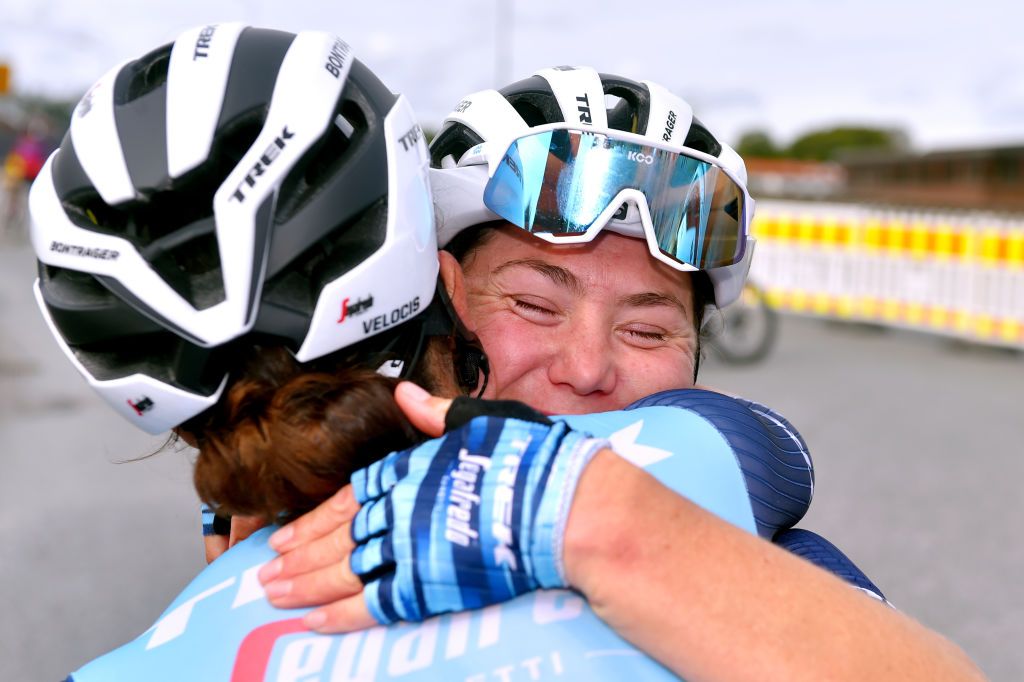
[
  {"x": 531, "y": 308},
  {"x": 650, "y": 336}
]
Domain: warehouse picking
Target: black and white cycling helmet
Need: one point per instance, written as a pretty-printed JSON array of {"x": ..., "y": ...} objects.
[
  {"x": 589, "y": 101},
  {"x": 239, "y": 181}
]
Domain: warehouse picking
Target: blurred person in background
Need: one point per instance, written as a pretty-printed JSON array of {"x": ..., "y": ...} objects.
[
  {"x": 196, "y": 293},
  {"x": 542, "y": 313},
  {"x": 21, "y": 166}
]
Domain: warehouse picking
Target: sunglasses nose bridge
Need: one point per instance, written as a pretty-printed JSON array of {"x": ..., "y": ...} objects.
[{"x": 631, "y": 214}]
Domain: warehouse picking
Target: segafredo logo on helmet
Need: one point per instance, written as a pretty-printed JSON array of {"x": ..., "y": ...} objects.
[
  {"x": 640, "y": 157},
  {"x": 463, "y": 105},
  {"x": 336, "y": 59},
  {"x": 202, "y": 48},
  {"x": 272, "y": 151},
  {"x": 358, "y": 308},
  {"x": 670, "y": 125},
  {"x": 140, "y": 405}
]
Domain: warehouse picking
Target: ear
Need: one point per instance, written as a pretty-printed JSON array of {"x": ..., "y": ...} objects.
[{"x": 455, "y": 285}]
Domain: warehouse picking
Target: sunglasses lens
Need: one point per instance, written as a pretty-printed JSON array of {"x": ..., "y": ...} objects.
[
  {"x": 559, "y": 182},
  {"x": 551, "y": 183},
  {"x": 697, "y": 215}
]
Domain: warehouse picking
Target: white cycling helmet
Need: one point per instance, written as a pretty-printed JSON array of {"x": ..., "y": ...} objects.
[
  {"x": 577, "y": 96},
  {"x": 238, "y": 186}
]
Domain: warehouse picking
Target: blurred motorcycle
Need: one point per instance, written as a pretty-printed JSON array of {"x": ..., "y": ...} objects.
[{"x": 748, "y": 328}]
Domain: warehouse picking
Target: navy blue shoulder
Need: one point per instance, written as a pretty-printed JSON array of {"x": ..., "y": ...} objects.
[
  {"x": 771, "y": 453},
  {"x": 824, "y": 554},
  {"x": 783, "y": 425}
]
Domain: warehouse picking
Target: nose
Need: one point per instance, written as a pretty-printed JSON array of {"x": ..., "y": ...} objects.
[{"x": 584, "y": 362}]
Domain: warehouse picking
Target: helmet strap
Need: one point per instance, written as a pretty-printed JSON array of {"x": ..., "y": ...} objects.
[
  {"x": 470, "y": 361},
  {"x": 467, "y": 354}
]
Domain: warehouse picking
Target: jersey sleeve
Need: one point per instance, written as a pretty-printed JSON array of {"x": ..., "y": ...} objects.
[
  {"x": 771, "y": 454},
  {"x": 781, "y": 426},
  {"x": 823, "y": 554}
]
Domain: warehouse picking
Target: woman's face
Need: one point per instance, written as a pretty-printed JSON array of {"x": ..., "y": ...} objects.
[{"x": 573, "y": 329}]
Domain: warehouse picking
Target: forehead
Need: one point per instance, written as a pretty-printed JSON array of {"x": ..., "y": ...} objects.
[{"x": 610, "y": 260}]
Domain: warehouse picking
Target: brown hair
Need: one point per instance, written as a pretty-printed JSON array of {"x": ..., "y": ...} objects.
[{"x": 286, "y": 436}]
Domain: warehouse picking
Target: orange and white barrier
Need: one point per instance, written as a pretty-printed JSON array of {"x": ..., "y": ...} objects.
[{"x": 954, "y": 273}]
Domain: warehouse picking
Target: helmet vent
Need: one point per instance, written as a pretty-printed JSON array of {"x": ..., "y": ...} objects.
[
  {"x": 147, "y": 74},
  {"x": 289, "y": 297},
  {"x": 322, "y": 161},
  {"x": 113, "y": 340},
  {"x": 188, "y": 261},
  {"x": 701, "y": 139},
  {"x": 344, "y": 126},
  {"x": 531, "y": 113},
  {"x": 533, "y": 99},
  {"x": 454, "y": 141},
  {"x": 624, "y": 107}
]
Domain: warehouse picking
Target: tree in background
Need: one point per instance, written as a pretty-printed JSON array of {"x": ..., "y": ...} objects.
[
  {"x": 828, "y": 144},
  {"x": 758, "y": 144},
  {"x": 831, "y": 143}
]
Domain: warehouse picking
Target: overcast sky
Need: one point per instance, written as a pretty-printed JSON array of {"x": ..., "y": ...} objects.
[{"x": 950, "y": 73}]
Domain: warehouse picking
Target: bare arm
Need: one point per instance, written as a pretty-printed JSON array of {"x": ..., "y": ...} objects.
[{"x": 713, "y": 602}]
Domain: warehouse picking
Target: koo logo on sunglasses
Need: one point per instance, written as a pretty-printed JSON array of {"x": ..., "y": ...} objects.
[{"x": 640, "y": 157}]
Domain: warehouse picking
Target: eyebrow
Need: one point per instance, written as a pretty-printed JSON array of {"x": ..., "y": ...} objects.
[
  {"x": 556, "y": 274},
  {"x": 567, "y": 279},
  {"x": 650, "y": 299}
]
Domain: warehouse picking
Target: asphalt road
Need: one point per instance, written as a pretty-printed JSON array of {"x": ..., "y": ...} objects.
[{"x": 917, "y": 443}]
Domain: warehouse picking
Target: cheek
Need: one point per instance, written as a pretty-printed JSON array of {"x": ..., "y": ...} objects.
[
  {"x": 513, "y": 348},
  {"x": 648, "y": 373}
]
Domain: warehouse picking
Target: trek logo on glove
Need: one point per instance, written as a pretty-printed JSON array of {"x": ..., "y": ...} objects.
[{"x": 502, "y": 516}]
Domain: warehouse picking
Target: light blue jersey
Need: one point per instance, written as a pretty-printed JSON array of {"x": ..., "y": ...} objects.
[{"x": 222, "y": 628}]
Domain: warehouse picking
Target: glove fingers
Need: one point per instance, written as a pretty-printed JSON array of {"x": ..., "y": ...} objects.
[
  {"x": 373, "y": 519},
  {"x": 359, "y": 481},
  {"x": 380, "y": 596},
  {"x": 378, "y": 478},
  {"x": 371, "y": 557}
]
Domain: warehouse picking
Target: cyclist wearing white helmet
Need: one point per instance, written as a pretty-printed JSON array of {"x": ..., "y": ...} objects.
[
  {"x": 236, "y": 242},
  {"x": 538, "y": 157},
  {"x": 545, "y": 158}
]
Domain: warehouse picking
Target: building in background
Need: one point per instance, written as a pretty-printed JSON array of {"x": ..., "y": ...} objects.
[
  {"x": 984, "y": 179},
  {"x": 795, "y": 179},
  {"x": 932, "y": 242},
  {"x": 987, "y": 179}
]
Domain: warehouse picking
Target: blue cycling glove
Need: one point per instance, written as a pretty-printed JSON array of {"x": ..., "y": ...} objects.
[
  {"x": 214, "y": 523},
  {"x": 473, "y": 518}
]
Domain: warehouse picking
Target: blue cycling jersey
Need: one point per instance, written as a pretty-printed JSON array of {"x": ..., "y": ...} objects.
[{"x": 222, "y": 628}]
